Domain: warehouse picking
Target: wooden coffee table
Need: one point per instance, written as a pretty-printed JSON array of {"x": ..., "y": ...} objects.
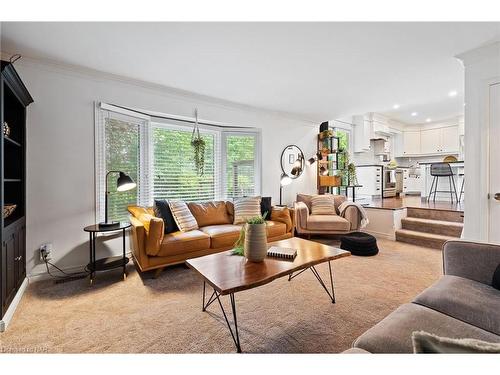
[{"x": 228, "y": 274}]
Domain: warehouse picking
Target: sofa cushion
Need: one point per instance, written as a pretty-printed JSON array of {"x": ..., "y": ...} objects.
[
  {"x": 467, "y": 300},
  {"x": 275, "y": 228},
  {"x": 184, "y": 242},
  {"x": 282, "y": 215},
  {"x": 209, "y": 213},
  {"x": 162, "y": 210},
  {"x": 328, "y": 223},
  {"x": 222, "y": 235},
  {"x": 182, "y": 216},
  {"x": 266, "y": 207},
  {"x": 323, "y": 205},
  {"x": 393, "y": 333},
  {"x": 246, "y": 208},
  {"x": 306, "y": 199},
  {"x": 424, "y": 342}
]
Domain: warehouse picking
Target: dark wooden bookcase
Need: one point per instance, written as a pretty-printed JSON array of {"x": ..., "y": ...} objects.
[{"x": 14, "y": 100}]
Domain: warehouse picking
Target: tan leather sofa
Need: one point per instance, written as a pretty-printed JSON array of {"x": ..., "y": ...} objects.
[
  {"x": 307, "y": 224},
  {"x": 152, "y": 249}
]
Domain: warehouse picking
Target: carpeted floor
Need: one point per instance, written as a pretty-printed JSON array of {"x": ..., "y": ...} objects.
[{"x": 164, "y": 315}]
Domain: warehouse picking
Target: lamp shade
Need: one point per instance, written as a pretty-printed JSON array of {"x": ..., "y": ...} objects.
[
  {"x": 285, "y": 179},
  {"x": 124, "y": 182},
  {"x": 296, "y": 171}
]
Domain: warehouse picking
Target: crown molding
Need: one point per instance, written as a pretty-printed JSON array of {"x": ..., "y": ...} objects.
[
  {"x": 489, "y": 51},
  {"x": 167, "y": 91}
]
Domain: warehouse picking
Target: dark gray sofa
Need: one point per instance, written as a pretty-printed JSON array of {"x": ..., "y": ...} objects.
[{"x": 462, "y": 304}]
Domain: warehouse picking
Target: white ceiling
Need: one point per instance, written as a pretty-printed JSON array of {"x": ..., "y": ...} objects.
[{"x": 318, "y": 71}]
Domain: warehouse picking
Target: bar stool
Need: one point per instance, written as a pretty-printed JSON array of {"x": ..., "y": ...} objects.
[{"x": 442, "y": 170}]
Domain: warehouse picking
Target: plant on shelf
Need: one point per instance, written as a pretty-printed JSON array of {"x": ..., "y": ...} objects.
[
  {"x": 198, "y": 144},
  {"x": 351, "y": 174},
  {"x": 326, "y": 134}
]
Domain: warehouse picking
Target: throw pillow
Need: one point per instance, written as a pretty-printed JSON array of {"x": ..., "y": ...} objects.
[
  {"x": 246, "y": 208},
  {"x": 283, "y": 216},
  {"x": 496, "y": 278},
  {"x": 265, "y": 206},
  {"x": 210, "y": 213},
  {"x": 323, "y": 205},
  {"x": 162, "y": 210},
  {"x": 182, "y": 216},
  {"x": 424, "y": 342}
]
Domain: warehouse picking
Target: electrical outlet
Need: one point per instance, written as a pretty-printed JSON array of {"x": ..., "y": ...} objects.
[{"x": 45, "y": 252}]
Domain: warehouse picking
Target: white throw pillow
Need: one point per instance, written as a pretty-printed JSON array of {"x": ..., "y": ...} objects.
[
  {"x": 183, "y": 216},
  {"x": 323, "y": 205},
  {"x": 246, "y": 208}
]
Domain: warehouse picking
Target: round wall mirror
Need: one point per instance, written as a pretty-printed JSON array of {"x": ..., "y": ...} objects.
[{"x": 292, "y": 161}]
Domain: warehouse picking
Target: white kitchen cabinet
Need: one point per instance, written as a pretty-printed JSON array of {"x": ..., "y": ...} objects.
[
  {"x": 411, "y": 142},
  {"x": 430, "y": 141},
  {"x": 449, "y": 139},
  {"x": 370, "y": 177},
  {"x": 361, "y": 134}
]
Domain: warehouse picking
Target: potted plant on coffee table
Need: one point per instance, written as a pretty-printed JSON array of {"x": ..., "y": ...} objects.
[{"x": 252, "y": 242}]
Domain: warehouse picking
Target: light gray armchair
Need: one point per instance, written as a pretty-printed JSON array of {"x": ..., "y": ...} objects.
[{"x": 307, "y": 224}]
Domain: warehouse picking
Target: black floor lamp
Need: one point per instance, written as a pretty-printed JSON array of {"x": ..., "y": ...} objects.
[{"x": 123, "y": 183}]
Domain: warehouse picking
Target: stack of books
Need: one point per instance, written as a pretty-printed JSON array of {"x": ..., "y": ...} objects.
[{"x": 282, "y": 252}]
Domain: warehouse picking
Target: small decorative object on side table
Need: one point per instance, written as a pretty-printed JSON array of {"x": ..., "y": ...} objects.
[{"x": 108, "y": 263}]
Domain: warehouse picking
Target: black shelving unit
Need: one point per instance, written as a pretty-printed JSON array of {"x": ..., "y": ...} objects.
[
  {"x": 325, "y": 184},
  {"x": 14, "y": 100}
]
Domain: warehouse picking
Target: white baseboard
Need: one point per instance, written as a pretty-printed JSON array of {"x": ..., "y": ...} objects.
[{"x": 13, "y": 306}]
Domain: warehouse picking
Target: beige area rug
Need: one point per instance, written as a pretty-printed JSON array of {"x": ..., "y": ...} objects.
[{"x": 164, "y": 315}]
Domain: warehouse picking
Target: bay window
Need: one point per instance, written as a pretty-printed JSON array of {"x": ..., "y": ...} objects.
[{"x": 157, "y": 153}]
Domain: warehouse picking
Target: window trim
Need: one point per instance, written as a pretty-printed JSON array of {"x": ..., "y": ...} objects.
[{"x": 257, "y": 157}]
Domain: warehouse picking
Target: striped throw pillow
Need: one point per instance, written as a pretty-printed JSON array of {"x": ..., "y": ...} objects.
[
  {"x": 182, "y": 216},
  {"x": 246, "y": 208},
  {"x": 323, "y": 205}
]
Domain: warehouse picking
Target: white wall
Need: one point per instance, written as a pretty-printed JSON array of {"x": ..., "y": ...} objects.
[{"x": 60, "y": 153}]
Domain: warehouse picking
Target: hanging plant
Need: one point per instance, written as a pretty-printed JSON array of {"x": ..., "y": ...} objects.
[{"x": 199, "y": 147}]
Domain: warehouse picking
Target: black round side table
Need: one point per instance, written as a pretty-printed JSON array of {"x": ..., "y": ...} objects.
[{"x": 108, "y": 263}]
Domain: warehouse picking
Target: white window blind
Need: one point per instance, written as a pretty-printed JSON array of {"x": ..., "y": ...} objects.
[{"x": 175, "y": 175}]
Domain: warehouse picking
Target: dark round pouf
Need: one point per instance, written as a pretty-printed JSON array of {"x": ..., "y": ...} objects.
[{"x": 359, "y": 243}]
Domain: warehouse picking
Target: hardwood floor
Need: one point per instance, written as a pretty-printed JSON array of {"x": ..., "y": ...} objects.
[{"x": 396, "y": 203}]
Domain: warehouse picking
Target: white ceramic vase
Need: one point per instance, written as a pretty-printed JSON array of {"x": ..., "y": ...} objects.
[{"x": 255, "y": 245}]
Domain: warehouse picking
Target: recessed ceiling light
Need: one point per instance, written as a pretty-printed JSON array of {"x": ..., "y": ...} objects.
[
  {"x": 395, "y": 106},
  {"x": 452, "y": 93},
  {"x": 428, "y": 120},
  {"x": 414, "y": 114}
]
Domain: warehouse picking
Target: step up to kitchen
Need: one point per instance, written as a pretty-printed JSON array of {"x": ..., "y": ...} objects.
[
  {"x": 435, "y": 241},
  {"x": 433, "y": 214},
  {"x": 445, "y": 228}
]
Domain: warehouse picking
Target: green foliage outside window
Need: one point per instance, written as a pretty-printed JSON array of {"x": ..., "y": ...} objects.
[
  {"x": 240, "y": 174},
  {"x": 122, "y": 154},
  {"x": 175, "y": 173}
]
